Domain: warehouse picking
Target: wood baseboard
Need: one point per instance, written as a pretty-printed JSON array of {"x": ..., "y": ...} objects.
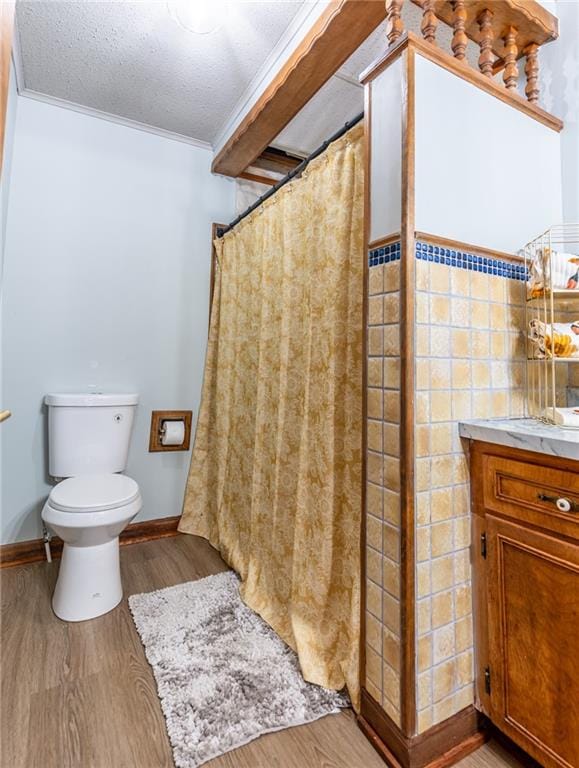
[
  {"x": 441, "y": 746},
  {"x": 25, "y": 552}
]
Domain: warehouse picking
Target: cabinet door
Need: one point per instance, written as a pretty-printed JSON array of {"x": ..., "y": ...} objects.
[{"x": 533, "y": 589}]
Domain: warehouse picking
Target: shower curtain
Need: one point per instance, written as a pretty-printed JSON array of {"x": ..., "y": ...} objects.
[{"x": 275, "y": 479}]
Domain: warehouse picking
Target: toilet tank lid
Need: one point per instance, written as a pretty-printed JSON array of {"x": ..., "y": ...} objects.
[{"x": 84, "y": 400}]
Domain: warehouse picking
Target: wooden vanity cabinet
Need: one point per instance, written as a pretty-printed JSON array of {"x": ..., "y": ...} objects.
[{"x": 526, "y": 598}]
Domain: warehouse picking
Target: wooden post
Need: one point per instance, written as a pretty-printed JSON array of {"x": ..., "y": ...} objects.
[
  {"x": 459, "y": 38},
  {"x": 486, "y": 58},
  {"x": 511, "y": 73},
  {"x": 531, "y": 51},
  {"x": 429, "y": 21},
  {"x": 394, "y": 27}
]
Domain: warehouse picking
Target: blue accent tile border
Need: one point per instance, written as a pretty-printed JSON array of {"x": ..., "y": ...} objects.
[
  {"x": 440, "y": 255},
  {"x": 384, "y": 254},
  {"x": 461, "y": 259}
]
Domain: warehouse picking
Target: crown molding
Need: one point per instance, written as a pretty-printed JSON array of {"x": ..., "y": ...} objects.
[{"x": 288, "y": 42}]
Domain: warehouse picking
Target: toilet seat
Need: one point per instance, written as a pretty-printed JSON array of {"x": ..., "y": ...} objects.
[{"x": 93, "y": 493}]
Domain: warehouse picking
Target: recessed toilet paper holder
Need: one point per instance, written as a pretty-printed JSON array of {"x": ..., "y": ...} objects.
[{"x": 158, "y": 429}]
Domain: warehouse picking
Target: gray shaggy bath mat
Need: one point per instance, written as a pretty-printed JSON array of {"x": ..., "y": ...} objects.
[{"x": 223, "y": 676}]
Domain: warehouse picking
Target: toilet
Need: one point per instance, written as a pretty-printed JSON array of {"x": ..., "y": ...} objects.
[{"x": 88, "y": 446}]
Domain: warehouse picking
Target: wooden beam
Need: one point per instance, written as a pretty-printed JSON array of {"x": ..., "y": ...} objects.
[
  {"x": 6, "y": 29},
  {"x": 276, "y": 161},
  {"x": 339, "y": 31}
]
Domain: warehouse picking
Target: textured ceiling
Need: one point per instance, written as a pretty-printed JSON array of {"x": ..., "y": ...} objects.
[{"x": 132, "y": 60}]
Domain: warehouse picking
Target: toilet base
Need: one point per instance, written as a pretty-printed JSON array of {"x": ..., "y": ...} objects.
[{"x": 89, "y": 581}]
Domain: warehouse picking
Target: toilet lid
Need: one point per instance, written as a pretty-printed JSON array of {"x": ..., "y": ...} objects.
[{"x": 93, "y": 493}]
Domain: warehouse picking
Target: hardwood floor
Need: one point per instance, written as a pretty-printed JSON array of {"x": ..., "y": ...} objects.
[{"x": 83, "y": 696}]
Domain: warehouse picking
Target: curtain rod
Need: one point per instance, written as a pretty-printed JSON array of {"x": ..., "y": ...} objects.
[{"x": 292, "y": 174}]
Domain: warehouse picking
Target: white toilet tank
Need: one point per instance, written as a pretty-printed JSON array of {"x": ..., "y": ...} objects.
[{"x": 89, "y": 434}]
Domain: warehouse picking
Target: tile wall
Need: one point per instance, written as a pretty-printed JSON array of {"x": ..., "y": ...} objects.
[
  {"x": 470, "y": 363},
  {"x": 383, "y": 486}
]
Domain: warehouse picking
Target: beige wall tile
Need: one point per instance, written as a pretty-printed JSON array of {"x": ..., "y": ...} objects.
[
  {"x": 422, "y": 476},
  {"x": 463, "y": 601},
  {"x": 374, "y": 499},
  {"x": 374, "y": 467},
  {"x": 442, "y": 538},
  {"x": 374, "y": 435},
  {"x": 374, "y": 403},
  {"x": 391, "y": 577},
  {"x": 423, "y": 374},
  {"x": 374, "y": 371},
  {"x": 422, "y": 407},
  {"x": 376, "y": 280},
  {"x": 479, "y": 314},
  {"x": 374, "y": 533},
  {"x": 392, "y": 712},
  {"x": 423, "y": 508},
  {"x": 392, "y": 406},
  {"x": 422, "y": 308},
  {"x": 374, "y": 565},
  {"x": 442, "y": 609},
  {"x": 439, "y": 310},
  {"x": 373, "y": 632},
  {"x": 479, "y": 286},
  {"x": 374, "y": 692},
  {"x": 391, "y": 542},
  {"x": 461, "y": 404},
  {"x": 391, "y": 685},
  {"x": 422, "y": 440},
  {"x": 461, "y": 500},
  {"x": 481, "y": 404},
  {"x": 461, "y": 374},
  {"x": 443, "y": 680},
  {"x": 423, "y": 544},
  {"x": 440, "y": 405},
  {"x": 392, "y": 373},
  {"x": 422, "y": 341},
  {"x": 422, "y": 276},
  {"x": 444, "y": 709},
  {"x": 375, "y": 340},
  {"x": 464, "y": 669},
  {"x": 424, "y": 691},
  {"x": 391, "y": 613},
  {"x": 442, "y": 471},
  {"x": 441, "y": 438},
  {"x": 460, "y": 312},
  {"x": 463, "y": 637},
  {"x": 423, "y": 584},
  {"x": 391, "y": 307},
  {"x": 439, "y": 278},
  {"x": 498, "y": 343},
  {"x": 392, "y": 340},
  {"x": 460, "y": 282},
  {"x": 391, "y": 439},
  {"x": 461, "y": 566},
  {"x": 461, "y": 533},
  {"x": 481, "y": 374},
  {"x": 424, "y": 720},
  {"x": 392, "y": 507},
  {"x": 439, "y": 341},
  {"x": 423, "y": 617},
  {"x": 375, "y": 314},
  {"x": 373, "y": 667},
  {"x": 391, "y": 649},
  {"x": 442, "y": 642},
  {"x": 480, "y": 344},
  {"x": 374, "y": 599},
  {"x": 441, "y": 504},
  {"x": 497, "y": 289},
  {"x": 442, "y": 573},
  {"x": 392, "y": 473},
  {"x": 391, "y": 276},
  {"x": 440, "y": 374},
  {"x": 424, "y": 652},
  {"x": 460, "y": 342}
]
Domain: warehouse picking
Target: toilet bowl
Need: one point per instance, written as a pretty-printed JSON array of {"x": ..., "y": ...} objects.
[{"x": 88, "y": 512}]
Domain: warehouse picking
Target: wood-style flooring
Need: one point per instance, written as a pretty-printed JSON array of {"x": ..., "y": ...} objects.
[{"x": 83, "y": 696}]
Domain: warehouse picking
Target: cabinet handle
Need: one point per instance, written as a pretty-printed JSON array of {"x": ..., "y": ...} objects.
[{"x": 562, "y": 504}]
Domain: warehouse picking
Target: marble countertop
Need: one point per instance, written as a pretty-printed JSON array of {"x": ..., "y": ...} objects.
[{"x": 525, "y": 434}]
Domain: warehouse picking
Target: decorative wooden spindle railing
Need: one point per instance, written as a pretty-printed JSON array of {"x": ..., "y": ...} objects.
[{"x": 504, "y": 30}]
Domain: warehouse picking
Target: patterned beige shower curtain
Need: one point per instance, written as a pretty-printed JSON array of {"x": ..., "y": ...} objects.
[{"x": 275, "y": 475}]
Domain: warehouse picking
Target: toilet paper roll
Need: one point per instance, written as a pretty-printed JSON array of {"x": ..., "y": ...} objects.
[{"x": 173, "y": 433}]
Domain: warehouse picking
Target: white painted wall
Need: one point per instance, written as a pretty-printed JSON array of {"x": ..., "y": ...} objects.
[
  {"x": 106, "y": 284},
  {"x": 485, "y": 173},
  {"x": 559, "y": 83},
  {"x": 386, "y": 152},
  {"x": 7, "y": 161}
]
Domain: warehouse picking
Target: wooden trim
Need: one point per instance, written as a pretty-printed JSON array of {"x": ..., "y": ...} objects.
[
  {"x": 277, "y": 161},
  {"x": 339, "y": 31},
  {"x": 392, "y": 53},
  {"x": 25, "y": 552},
  {"x": 157, "y": 419},
  {"x": 366, "y": 270},
  {"x": 258, "y": 179},
  {"x": 393, "y": 238},
  {"x": 465, "y": 72},
  {"x": 440, "y": 746},
  {"x": 6, "y": 30},
  {"x": 407, "y": 294},
  {"x": 459, "y": 245}
]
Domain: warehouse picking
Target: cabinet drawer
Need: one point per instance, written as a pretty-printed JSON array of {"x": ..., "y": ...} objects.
[{"x": 530, "y": 492}]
